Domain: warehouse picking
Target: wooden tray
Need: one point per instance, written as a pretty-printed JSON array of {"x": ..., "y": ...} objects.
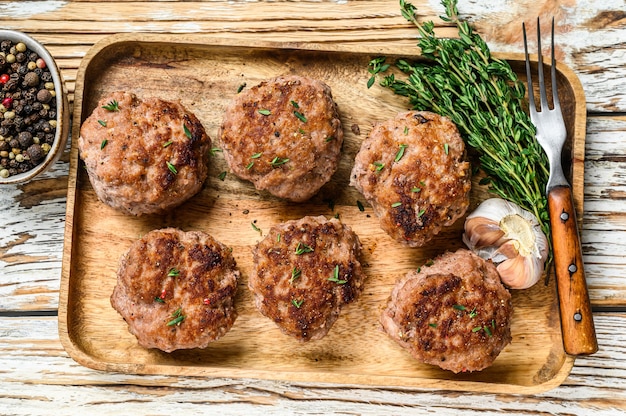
[{"x": 204, "y": 73}]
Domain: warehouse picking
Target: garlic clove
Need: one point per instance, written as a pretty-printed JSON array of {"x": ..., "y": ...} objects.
[
  {"x": 511, "y": 237},
  {"x": 520, "y": 272},
  {"x": 482, "y": 232}
]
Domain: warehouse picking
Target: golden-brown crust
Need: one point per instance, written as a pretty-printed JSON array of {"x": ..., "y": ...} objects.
[
  {"x": 131, "y": 153},
  {"x": 305, "y": 271},
  {"x": 414, "y": 172},
  {"x": 252, "y": 140},
  {"x": 167, "y": 270},
  {"x": 454, "y": 313}
]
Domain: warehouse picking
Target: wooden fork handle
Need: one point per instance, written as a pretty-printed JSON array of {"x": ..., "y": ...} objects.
[{"x": 579, "y": 335}]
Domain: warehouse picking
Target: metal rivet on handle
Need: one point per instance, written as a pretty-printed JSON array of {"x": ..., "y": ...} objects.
[
  {"x": 564, "y": 216},
  {"x": 572, "y": 268},
  {"x": 578, "y": 317}
]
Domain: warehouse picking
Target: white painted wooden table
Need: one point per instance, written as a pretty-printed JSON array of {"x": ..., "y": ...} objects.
[{"x": 38, "y": 377}]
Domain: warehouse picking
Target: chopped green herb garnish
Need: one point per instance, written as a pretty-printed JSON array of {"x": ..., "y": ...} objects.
[
  {"x": 335, "y": 277},
  {"x": 255, "y": 228},
  {"x": 416, "y": 189},
  {"x": 295, "y": 104},
  {"x": 406, "y": 130},
  {"x": 264, "y": 112},
  {"x": 429, "y": 263},
  {"x": 477, "y": 328},
  {"x": 420, "y": 213},
  {"x": 295, "y": 274},
  {"x": 473, "y": 313},
  {"x": 396, "y": 204},
  {"x": 178, "y": 317},
  {"x": 302, "y": 248},
  {"x": 222, "y": 176},
  {"x": 173, "y": 272},
  {"x": 432, "y": 325},
  {"x": 172, "y": 168},
  {"x": 278, "y": 237},
  {"x": 376, "y": 65},
  {"x": 158, "y": 299},
  {"x": 112, "y": 106},
  {"x": 256, "y": 155},
  {"x": 400, "y": 152},
  {"x": 297, "y": 303},
  {"x": 300, "y": 116},
  {"x": 241, "y": 87},
  {"x": 187, "y": 131},
  {"x": 166, "y": 144},
  {"x": 277, "y": 161},
  {"x": 360, "y": 206},
  {"x": 487, "y": 330},
  {"x": 459, "y": 307},
  {"x": 103, "y": 123},
  {"x": 329, "y": 138},
  {"x": 379, "y": 166},
  {"x": 249, "y": 165},
  {"x": 103, "y": 143},
  {"x": 214, "y": 150},
  {"x": 446, "y": 148}
]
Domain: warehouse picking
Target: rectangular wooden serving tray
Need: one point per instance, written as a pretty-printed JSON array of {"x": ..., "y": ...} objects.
[{"x": 205, "y": 73}]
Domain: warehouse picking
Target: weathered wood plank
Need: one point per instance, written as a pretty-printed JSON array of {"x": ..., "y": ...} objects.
[{"x": 38, "y": 374}]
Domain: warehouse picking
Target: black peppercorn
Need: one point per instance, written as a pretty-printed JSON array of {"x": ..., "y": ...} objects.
[
  {"x": 25, "y": 139},
  {"x": 14, "y": 143},
  {"x": 35, "y": 152}
]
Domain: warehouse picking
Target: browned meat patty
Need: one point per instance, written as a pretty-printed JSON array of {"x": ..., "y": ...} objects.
[
  {"x": 284, "y": 135},
  {"x": 143, "y": 156},
  {"x": 413, "y": 170},
  {"x": 176, "y": 289},
  {"x": 454, "y": 313},
  {"x": 305, "y": 271}
]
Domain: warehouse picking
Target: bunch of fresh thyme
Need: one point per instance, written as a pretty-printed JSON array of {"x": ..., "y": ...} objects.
[{"x": 484, "y": 97}]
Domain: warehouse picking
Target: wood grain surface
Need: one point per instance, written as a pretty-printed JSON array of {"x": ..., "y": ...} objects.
[{"x": 38, "y": 375}]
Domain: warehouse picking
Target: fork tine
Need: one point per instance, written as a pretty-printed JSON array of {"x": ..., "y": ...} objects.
[
  {"x": 542, "y": 84},
  {"x": 555, "y": 95},
  {"x": 529, "y": 77}
]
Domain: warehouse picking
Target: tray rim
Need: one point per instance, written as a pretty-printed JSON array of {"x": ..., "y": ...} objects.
[{"x": 365, "y": 381}]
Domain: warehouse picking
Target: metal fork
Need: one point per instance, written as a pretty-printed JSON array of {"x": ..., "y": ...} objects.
[{"x": 579, "y": 335}]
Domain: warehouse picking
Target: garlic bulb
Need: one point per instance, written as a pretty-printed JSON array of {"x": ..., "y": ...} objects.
[{"x": 511, "y": 237}]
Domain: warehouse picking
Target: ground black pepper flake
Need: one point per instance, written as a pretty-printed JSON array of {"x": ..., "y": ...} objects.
[{"x": 27, "y": 109}]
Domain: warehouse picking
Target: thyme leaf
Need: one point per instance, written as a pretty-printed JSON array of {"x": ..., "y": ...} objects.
[
  {"x": 335, "y": 277},
  {"x": 187, "y": 131},
  {"x": 302, "y": 248},
  {"x": 112, "y": 106},
  {"x": 178, "y": 317}
]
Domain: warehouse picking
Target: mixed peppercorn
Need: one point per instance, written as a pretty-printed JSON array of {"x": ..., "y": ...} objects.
[{"x": 28, "y": 113}]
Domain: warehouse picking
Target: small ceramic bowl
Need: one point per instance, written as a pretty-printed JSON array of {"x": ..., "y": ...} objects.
[{"x": 62, "y": 108}]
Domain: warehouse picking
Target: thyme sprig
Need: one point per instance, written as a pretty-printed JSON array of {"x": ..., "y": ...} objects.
[{"x": 483, "y": 96}]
